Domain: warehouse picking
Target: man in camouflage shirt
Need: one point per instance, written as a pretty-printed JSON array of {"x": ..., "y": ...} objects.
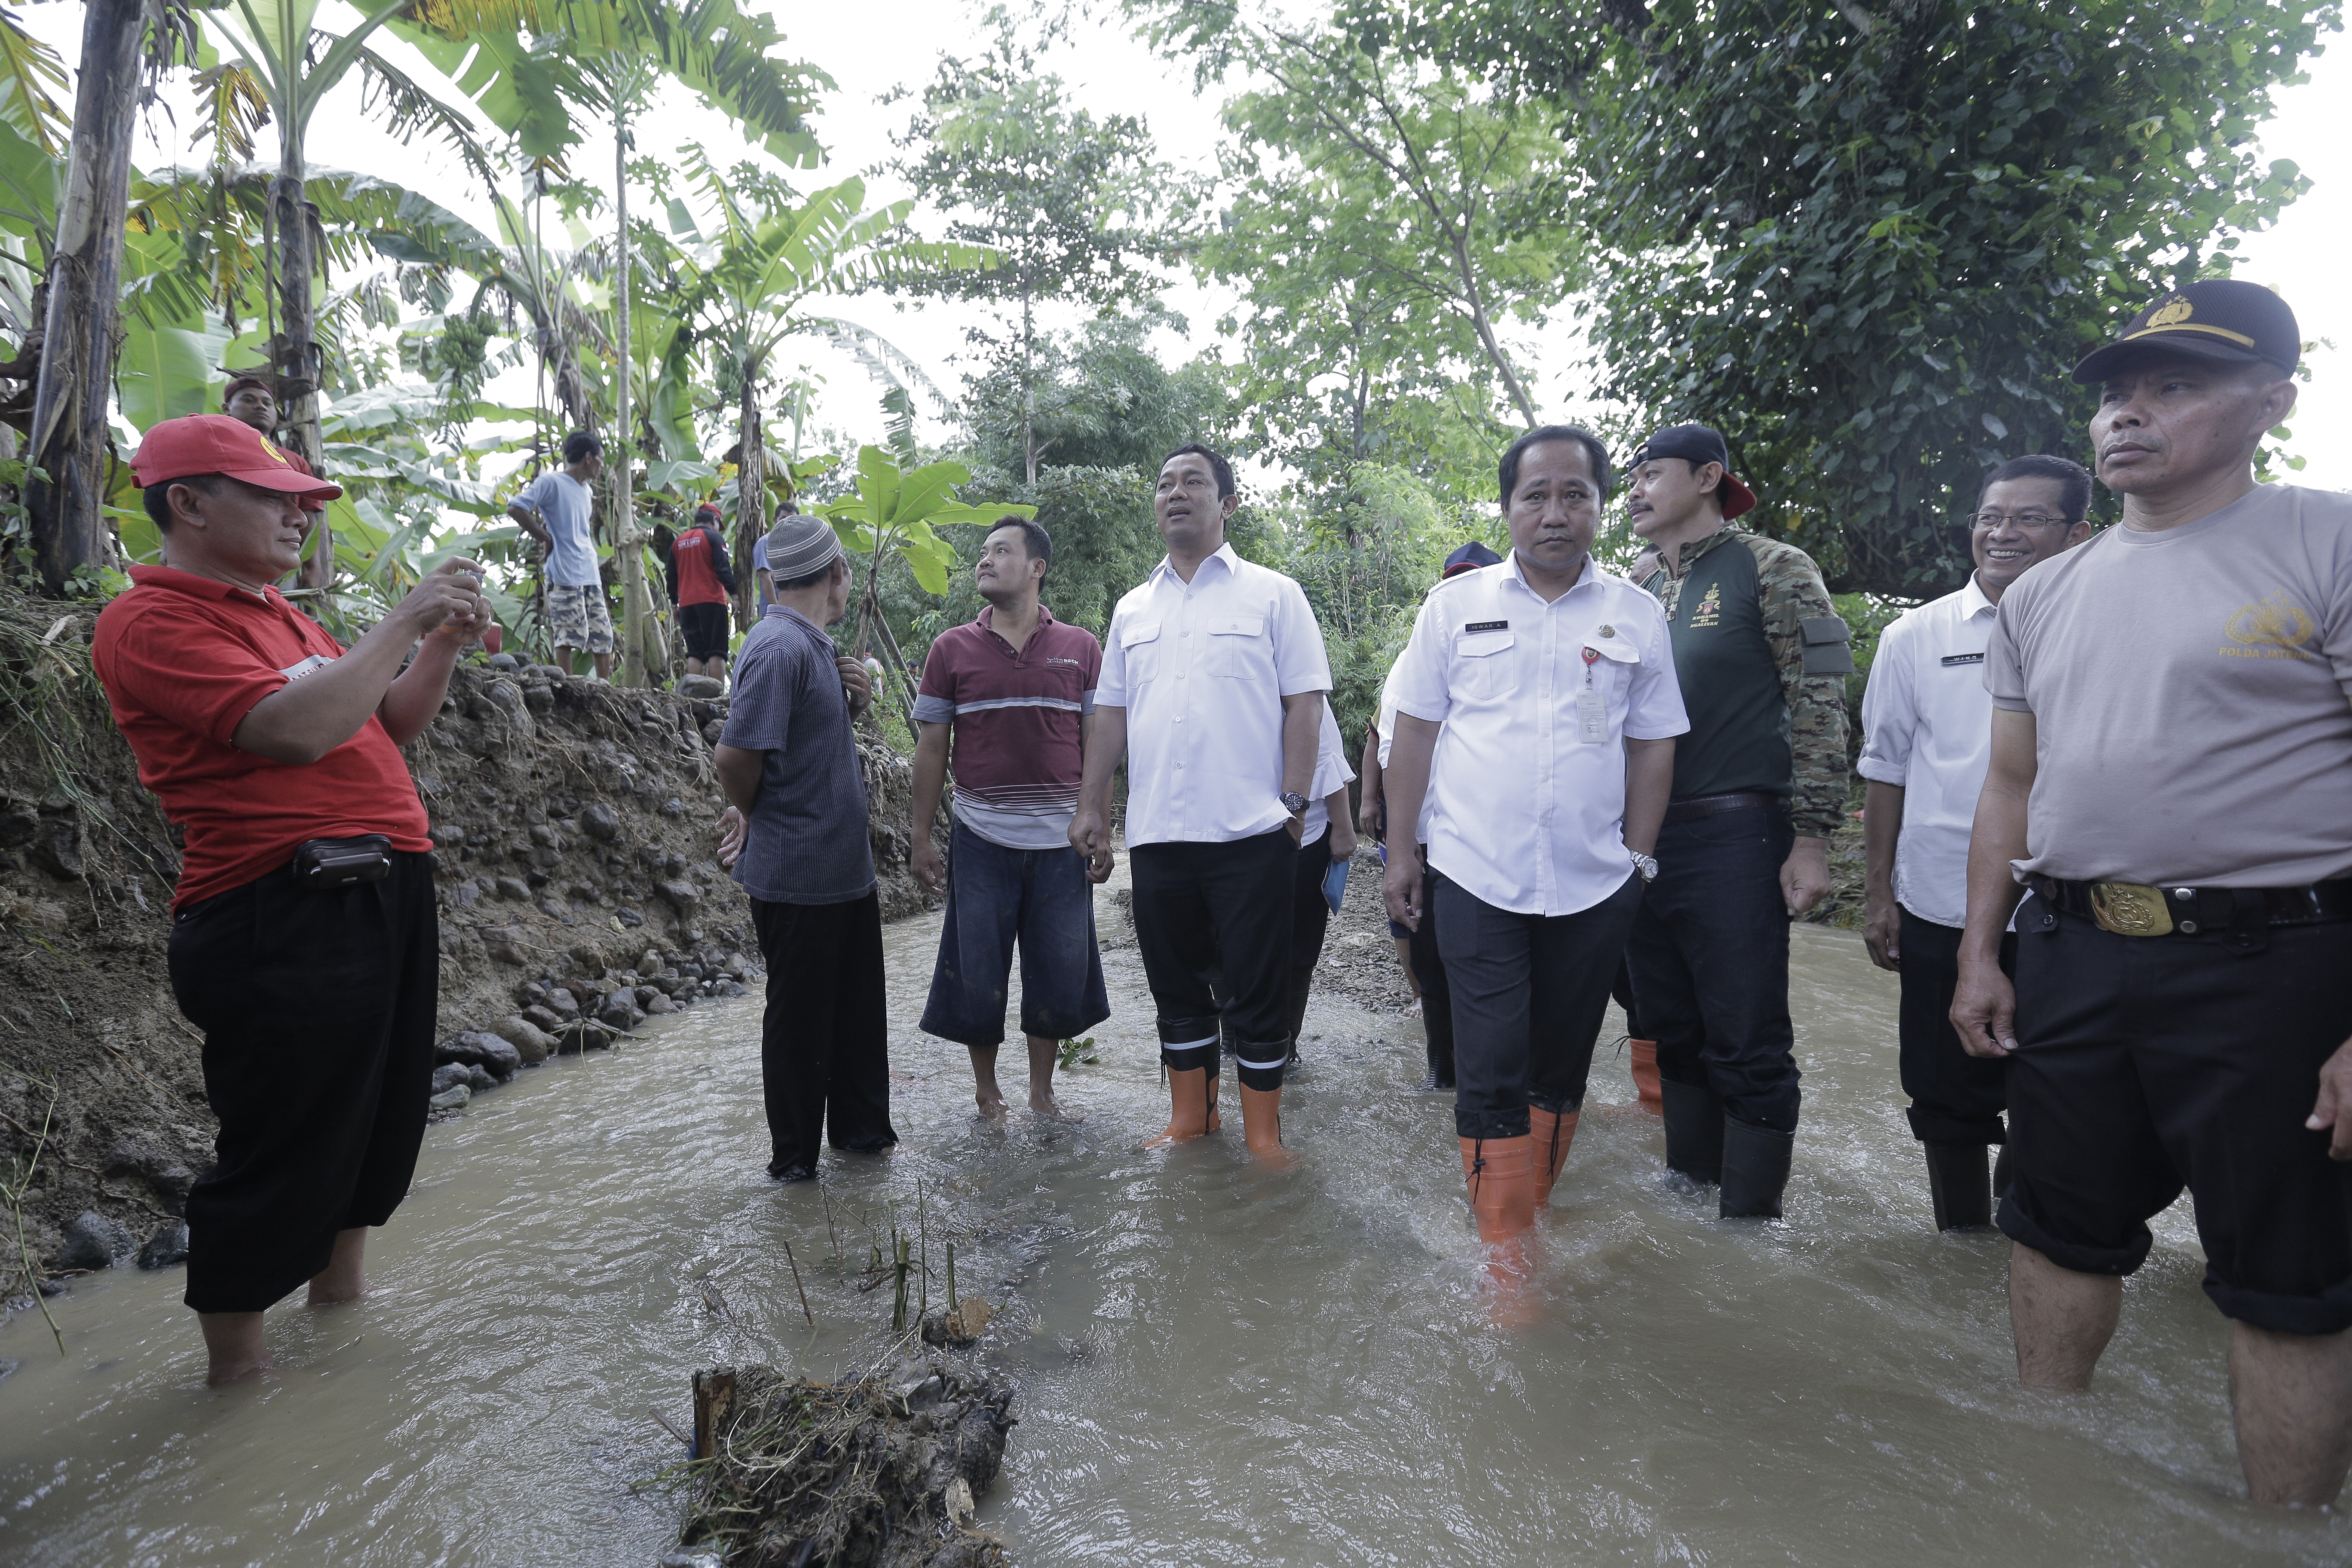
[{"x": 1759, "y": 785}]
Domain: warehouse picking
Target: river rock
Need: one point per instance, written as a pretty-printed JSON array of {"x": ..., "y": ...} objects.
[
  {"x": 601, "y": 822},
  {"x": 541, "y": 1017},
  {"x": 621, "y": 1012},
  {"x": 480, "y": 1047},
  {"x": 563, "y": 1004},
  {"x": 673, "y": 806},
  {"x": 702, "y": 686},
  {"x": 643, "y": 996},
  {"x": 454, "y": 1097},
  {"x": 504, "y": 661},
  {"x": 502, "y": 944},
  {"x": 530, "y": 1042},
  {"x": 730, "y": 989},
  {"x": 514, "y": 888},
  {"x": 167, "y": 1246},
  {"x": 628, "y": 917},
  {"x": 449, "y": 1073},
  {"x": 682, "y": 895},
  {"x": 479, "y": 1077},
  {"x": 659, "y": 1004},
  {"x": 94, "y": 1241}
]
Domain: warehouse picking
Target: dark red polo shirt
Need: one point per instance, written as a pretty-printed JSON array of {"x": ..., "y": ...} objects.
[
  {"x": 1016, "y": 757},
  {"x": 183, "y": 660}
]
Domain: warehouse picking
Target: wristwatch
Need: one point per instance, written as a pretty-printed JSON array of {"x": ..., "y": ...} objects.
[
  {"x": 1645, "y": 864},
  {"x": 1294, "y": 803}
]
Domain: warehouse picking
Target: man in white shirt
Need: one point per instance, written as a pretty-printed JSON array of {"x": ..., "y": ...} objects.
[
  {"x": 1212, "y": 686},
  {"x": 1554, "y": 684},
  {"x": 1926, "y": 720}
]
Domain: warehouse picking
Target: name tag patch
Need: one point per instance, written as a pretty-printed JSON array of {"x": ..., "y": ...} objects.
[
  {"x": 1470, "y": 627},
  {"x": 1950, "y": 659},
  {"x": 294, "y": 672}
]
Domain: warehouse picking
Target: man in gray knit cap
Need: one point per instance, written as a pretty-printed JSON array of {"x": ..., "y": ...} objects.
[{"x": 788, "y": 761}]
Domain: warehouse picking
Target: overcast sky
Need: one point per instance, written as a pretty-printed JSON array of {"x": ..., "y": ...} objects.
[{"x": 872, "y": 49}]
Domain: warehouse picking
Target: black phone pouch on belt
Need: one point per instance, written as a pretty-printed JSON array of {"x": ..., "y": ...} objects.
[{"x": 323, "y": 863}]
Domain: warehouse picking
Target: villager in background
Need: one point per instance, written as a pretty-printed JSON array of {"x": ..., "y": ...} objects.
[
  {"x": 1418, "y": 945},
  {"x": 2171, "y": 777},
  {"x": 304, "y": 939},
  {"x": 252, "y": 400},
  {"x": 700, "y": 579},
  {"x": 788, "y": 761},
  {"x": 1213, "y": 688},
  {"x": 1759, "y": 785},
  {"x": 1927, "y": 721},
  {"x": 1008, "y": 700},
  {"x": 1554, "y": 686},
  {"x": 556, "y": 509}
]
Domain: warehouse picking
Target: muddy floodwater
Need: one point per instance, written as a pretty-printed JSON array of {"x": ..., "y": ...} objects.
[{"x": 1216, "y": 1364}]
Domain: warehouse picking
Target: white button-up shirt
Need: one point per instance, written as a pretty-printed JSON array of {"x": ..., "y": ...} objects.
[
  {"x": 1530, "y": 815},
  {"x": 1331, "y": 771},
  {"x": 1202, "y": 668},
  {"x": 1927, "y": 722},
  {"x": 1384, "y": 725}
]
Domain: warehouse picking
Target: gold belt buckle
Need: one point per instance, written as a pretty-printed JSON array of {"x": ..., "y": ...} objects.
[{"x": 2130, "y": 909}]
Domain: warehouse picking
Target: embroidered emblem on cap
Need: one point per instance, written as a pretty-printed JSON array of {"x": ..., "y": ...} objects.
[
  {"x": 2176, "y": 309},
  {"x": 270, "y": 451}
]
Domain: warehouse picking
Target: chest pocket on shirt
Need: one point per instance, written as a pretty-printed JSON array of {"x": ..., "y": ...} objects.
[
  {"x": 1239, "y": 648},
  {"x": 1139, "y": 647},
  {"x": 1484, "y": 667}
]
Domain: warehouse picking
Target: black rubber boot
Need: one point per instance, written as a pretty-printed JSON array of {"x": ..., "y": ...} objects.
[
  {"x": 1755, "y": 1170},
  {"x": 2000, "y": 1173},
  {"x": 1956, "y": 1182},
  {"x": 1438, "y": 1023},
  {"x": 1694, "y": 1118}
]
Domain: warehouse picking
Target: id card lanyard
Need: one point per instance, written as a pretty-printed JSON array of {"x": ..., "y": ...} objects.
[{"x": 1592, "y": 712}]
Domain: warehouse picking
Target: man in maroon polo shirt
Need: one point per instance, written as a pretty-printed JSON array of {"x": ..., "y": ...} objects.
[
  {"x": 304, "y": 941},
  {"x": 1015, "y": 688}
]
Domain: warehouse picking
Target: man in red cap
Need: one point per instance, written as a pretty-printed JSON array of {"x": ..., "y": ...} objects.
[
  {"x": 304, "y": 941},
  {"x": 700, "y": 579},
  {"x": 1759, "y": 785}
]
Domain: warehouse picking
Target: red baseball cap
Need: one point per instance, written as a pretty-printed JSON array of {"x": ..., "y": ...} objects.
[{"x": 217, "y": 444}]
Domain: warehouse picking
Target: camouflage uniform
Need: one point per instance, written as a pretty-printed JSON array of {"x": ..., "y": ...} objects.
[
  {"x": 1812, "y": 684},
  {"x": 1761, "y": 657}
]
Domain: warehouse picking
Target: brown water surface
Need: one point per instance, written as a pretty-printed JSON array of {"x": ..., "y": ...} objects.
[{"x": 1216, "y": 1365}]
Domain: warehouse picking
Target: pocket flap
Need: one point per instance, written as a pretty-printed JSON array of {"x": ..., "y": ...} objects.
[
  {"x": 1617, "y": 650},
  {"x": 1239, "y": 627},
  {"x": 1130, "y": 636},
  {"x": 1481, "y": 644}
]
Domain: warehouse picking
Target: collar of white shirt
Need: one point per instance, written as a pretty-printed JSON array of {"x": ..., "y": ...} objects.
[{"x": 1222, "y": 555}]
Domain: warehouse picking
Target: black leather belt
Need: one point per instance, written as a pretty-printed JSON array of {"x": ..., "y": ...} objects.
[
  {"x": 2137, "y": 909},
  {"x": 1715, "y": 804}
]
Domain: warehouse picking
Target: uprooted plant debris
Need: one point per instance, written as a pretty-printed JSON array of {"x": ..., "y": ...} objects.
[{"x": 877, "y": 1472}]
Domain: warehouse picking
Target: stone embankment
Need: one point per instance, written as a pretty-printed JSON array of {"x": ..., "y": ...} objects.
[{"x": 575, "y": 823}]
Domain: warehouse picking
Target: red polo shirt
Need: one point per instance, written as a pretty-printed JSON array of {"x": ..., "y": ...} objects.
[
  {"x": 1016, "y": 736},
  {"x": 183, "y": 660}
]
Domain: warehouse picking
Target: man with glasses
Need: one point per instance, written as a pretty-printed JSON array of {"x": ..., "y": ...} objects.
[
  {"x": 1759, "y": 785},
  {"x": 2171, "y": 777},
  {"x": 1928, "y": 722}
]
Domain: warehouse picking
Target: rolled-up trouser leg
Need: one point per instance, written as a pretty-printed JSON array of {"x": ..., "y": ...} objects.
[
  {"x": 1954, "y": 1097},
  {"x": 318, "y": 1012}
]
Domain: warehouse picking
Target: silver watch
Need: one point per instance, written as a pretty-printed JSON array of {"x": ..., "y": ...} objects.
[{"x": 1645, "y": 864}]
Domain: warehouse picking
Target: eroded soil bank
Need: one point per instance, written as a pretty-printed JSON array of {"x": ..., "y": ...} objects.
[{"x": 575, "y": 825}]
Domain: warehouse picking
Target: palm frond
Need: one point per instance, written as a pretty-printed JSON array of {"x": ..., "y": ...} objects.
[{"x": 30, "y": 76}]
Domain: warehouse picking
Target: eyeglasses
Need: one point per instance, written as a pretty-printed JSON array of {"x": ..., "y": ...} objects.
[{"x": 2031, "y": 520}]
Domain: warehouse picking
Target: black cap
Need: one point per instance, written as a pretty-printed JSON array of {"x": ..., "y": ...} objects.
[
  {"x": 1696, "y": 445},
  {"x": 2219, "y": 318},
  {"x": 1469, "y": 558}
]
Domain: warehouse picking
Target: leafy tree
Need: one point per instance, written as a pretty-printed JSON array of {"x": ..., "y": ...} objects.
[
  {"x": 1098, "y": 398},
  {"x": 1063, "y": 201},
  {"x": 1870, "y": 241}
]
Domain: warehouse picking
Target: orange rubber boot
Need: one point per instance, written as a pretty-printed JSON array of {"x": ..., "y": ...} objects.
[
  {"x": 1193, "y": 1110},
  {"x": 1262, "y": 1127},
  {"x": 1645, "y": 1076},
  {"x": 1501, "y": 1174},
  {"x": 1551, "y": 1133}
]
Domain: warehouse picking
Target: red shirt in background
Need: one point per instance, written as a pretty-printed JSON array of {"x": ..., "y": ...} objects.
[
  {"x": 695, "y": 560},
  {"x": 183, "y": 660},
  {"x": 1016, "y": 734}
]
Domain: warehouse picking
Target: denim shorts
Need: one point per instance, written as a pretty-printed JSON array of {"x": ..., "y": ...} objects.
[{"x": 1038, "y": 899}]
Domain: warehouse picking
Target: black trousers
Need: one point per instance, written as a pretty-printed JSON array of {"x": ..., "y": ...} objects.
[
  {"x": 1954, "y": 1097},
  {"x": 2148, "y": 1063},
  {"x": 1218, "y": 912},
  {"x": 1422, "y": 951},
  {"x": 1529, "y": 993},
  {"x": 318, "y": 1012},
  {"x": 1310, "y": 922},
  {"x": 824, "y": 1049},
  {"x": 1709, "y": 957}
]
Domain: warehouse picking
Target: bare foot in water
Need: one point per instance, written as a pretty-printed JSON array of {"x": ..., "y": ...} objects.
[
  {"x": 344, "y": 1278},
  {"x": 992, "y": 1107},
  {"x": 1042, "y": 1104}
]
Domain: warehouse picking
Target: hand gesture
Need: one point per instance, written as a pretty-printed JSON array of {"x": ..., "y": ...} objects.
[
  {"x": 1090, "y": 837},
  {"x": 857, "y": 684},
  {"x": 1984, "y": 1010},
  {"x": 929, "y": 872},
  {"x": 448, "y": 601}
]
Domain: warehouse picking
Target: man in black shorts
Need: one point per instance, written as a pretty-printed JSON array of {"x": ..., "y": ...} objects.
[
  {"x": 701, "y": 581},
  {"x": 2171, "y": 778}
]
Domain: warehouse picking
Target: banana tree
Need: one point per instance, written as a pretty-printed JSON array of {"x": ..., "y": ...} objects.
[{"x": 898, "y": 512}]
